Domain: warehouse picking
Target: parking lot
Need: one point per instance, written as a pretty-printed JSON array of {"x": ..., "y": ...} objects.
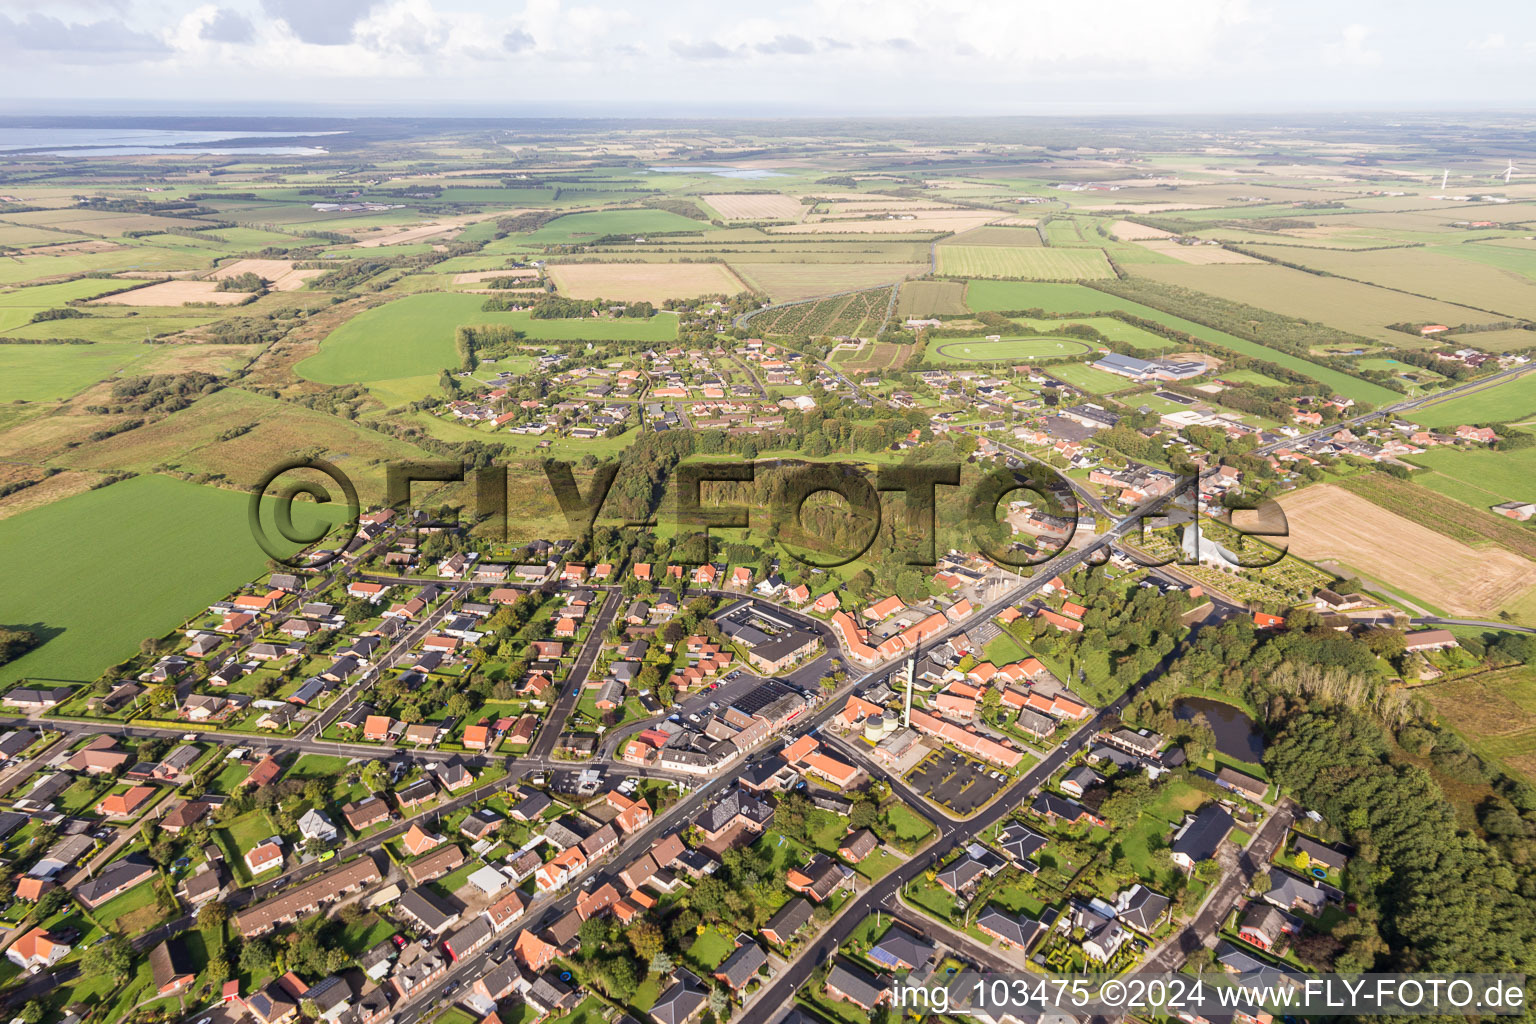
[{"x": 955, "y": 781}]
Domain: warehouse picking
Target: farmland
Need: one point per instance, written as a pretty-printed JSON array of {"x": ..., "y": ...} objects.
[
  {"x": 122, "y": 538},
  {"x": 1035, "y": 264},
  {"x": 39, "y": 373},
  {"x": 858, "y": 314},
  {"x": 1512, "y": 401},
  {"x": 922, "y": 299},
  {"x": 1495, "y": 712},
  {"x": 643, "y": 282},
  {"x": 1330, "y": 524},
  {"x": 755, "y": 206}
]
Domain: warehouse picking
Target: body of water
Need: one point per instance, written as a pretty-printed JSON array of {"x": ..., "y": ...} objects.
[
  {"x": 720, "y": 172},
  {"x": 147, "y": 142},
  {"x": 1236, "y": 735}
]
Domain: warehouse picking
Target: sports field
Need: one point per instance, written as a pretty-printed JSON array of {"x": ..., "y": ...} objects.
[
  {"x": 104, "y": 569},
  {"x": 979, "y": 350},
  {"x": 1034, "y": 264},
  {"x": 1097, "y": 382}
]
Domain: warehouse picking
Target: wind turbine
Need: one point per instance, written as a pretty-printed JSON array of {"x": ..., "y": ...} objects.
[
  {"x": 1511, "y": 169},
  {"x": 1445, "y": 176}
]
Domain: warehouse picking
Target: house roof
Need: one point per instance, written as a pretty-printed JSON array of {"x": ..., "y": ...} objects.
[
  {"x": 1200, "y": 837},
  {"x": 855, "y": 982}
]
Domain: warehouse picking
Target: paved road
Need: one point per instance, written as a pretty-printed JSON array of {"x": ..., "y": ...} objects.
[
  {"x": 780, "y": 992},
  {"x": 1199, "y": 932},
  {"x": 576, "y": 680},
  {"x": 1431, "y": 620}
]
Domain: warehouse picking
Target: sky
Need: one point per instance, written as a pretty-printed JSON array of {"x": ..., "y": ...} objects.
[{"x": 891, "y": 57}]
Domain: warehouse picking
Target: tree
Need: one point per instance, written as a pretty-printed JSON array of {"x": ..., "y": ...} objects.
[
  {"x": 110, "y": 957},
  {"x": 376, "y": 776},
  {"x": 646, "y": 939},
  {"x": 662, "y": 964},
  {"x": 212, "y": 916},
  {"x": 32, "y": 1012}
]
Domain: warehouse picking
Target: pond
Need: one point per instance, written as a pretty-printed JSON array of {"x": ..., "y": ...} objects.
[{"x": 1236, "y": 735}]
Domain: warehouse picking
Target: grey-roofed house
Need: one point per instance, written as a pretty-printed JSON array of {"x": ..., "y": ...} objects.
[
  {"x": 114, "y": 880},
  {"x": 1141, "y": 908},
  {"x": 1200, "y": 836},
  {"x": 682, "y": 1002},
  {"x": 426, "y": 911},
  {"x": 961, "y": 874},
  {"x": 855, "y": 985},
  {"x": 1320, "y": 853},
  {"x": 742, "y": 965},
  {"x": 1291, "y": 893},
  {"x": 1018, "y": 931},
  {"x": 900, "y": 949},
  {"x": 1019, "y": 844},
  {"x": 1080, "y": 780},
  {"x": 791, "y": 917}
]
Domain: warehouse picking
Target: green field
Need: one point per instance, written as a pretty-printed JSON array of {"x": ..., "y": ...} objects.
[
  {"x": 1115, "y": 330},
  {"x": 110, "y": 328},
  {"x": 414, "y": 337},
  {"x": 979, "y": 350},
  {"x": 985, "y": 296},
  {"x": 926, "y": 298},
  {"x": 1097, "y": 382},
  {"x": 1479, "y": 476},
  {"x": 105, "y": 569},
  {"x": 1022, "y": 262},
  {"x": 578, "y": 227},
  {"x": 1509, "y": 401},
  {"x": 40, "y": 373}
]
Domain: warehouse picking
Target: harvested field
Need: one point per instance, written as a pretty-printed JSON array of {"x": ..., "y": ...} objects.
[
  {"x": 754, "y": 206},
  {"x": 279, "y": 274},
  {"x": 174, "y": 293},
  {"x": 923, "y": 299},
  {"x": 442, "y": 225},
  {"x": 476, "y": 276},
  {"x": 938, "y": 221},
  {"x": 643, "y": 282},
  {"x": 1202, "y": 255},
  {"x": 1328, "y": 523},
  {"x": 1129, "y": 231}
]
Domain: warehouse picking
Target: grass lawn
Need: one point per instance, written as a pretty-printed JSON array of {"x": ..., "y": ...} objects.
[
  {"x": 124, "y": 539},
  {"x": 1081, "y": 375},
  {"x": 239, "y": 835},
  {"x": 711, "y": 948},
  {"x": 980, "y": 350},
  {"x": 906, "y": 823},
  {"x": 132, "y": 912},
  {"x": 590, "y": 1010},
  {"x": 1004, "y": 650},
  {"x": 877, "y": 865}
]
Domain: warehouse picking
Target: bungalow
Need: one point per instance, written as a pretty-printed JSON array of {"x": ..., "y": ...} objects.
[
  {"x": 819, "y": 878},
  {"x": 1018, "y": 932},
  {"x": 1266, "y": 926},
  {"x": 126, "y": 804},
  {"x": 370, "y": 592},
  {"x": 365, "y": 813},
  {"x": 783, "y": 926},
  {"x": 742, "y": 965},
  {"x": 1238, "y": 782},
  {"x": 1200, "y": 836},
  {"x": 855, "y": 985},
  {"x": 683, "y": 1002}
]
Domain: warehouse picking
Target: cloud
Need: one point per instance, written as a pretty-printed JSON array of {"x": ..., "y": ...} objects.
[
  {"x": 1492, "y": 41},
  {"x": 321, "y": 22},
  {"x": 707, "y": 50},
  {"x": 517, "y": 40},
  {"x": 901, "y": 44},
  {"x": 1351, "y": 50},
  {"x": 108, "y": 40},
  {"x": 227, "y": 26},
  {"x": 785, "y": 44}
]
